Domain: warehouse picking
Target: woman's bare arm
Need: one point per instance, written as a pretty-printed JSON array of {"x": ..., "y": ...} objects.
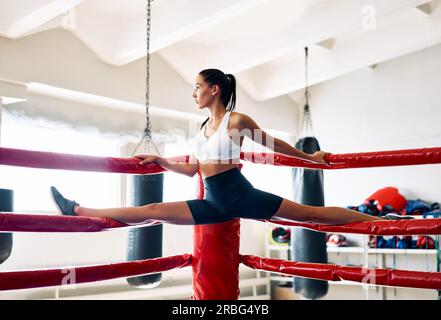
[
  {"x": 188, "y": 169},
  {"x": 248, "y": 127}
]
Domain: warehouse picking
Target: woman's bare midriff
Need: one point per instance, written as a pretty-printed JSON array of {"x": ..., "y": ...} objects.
[{"x": 212, "y": 168}]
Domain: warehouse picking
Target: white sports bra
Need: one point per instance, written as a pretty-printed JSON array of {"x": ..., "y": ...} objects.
[{"x": 219, "y": 146}]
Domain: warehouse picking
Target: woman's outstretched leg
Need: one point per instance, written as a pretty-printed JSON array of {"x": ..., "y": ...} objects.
[
  {"x": 291, "y": 210},
  {"x": 170, "y": 212}
]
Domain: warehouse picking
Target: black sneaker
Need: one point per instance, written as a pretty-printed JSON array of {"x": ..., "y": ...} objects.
[
  {"x": 396, "y": 216},
  {"x": 64, "y": 206}
]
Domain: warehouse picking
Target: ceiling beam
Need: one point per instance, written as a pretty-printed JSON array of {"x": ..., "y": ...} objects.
[
  {"x": 426, "y": 8},
  {"x": 13, "y": 89},
  {"x": 430, "y": 7},
  {"x": 34, "y": 19},
  {"x": 106, "y": 102},
  {"x": 178, "y": 22},
  {"x": 326, "y": 44},
  {"x": 320, "y": 22},
  {"x": 413, "y": 32}
]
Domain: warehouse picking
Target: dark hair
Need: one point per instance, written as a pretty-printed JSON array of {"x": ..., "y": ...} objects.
[{"x": 227, "y": 85}]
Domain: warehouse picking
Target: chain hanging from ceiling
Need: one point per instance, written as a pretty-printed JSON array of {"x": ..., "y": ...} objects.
[
  {"x": 306, "y": 127},
  {"x": 147, "y": 134}
]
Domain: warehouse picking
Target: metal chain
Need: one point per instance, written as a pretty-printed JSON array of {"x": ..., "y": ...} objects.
[
  {"x": 147, "y": 135},
  {"x": 306, "y": 78},
  {"x": 306, "y": 127},
  {"x": 147, "y": 130}
]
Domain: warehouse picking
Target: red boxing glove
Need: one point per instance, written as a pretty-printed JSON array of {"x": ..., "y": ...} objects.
[{"x": 388, "y": 196}]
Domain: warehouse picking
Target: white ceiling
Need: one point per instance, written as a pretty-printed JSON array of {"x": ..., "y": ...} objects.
[{"x": 260, "y": 41}]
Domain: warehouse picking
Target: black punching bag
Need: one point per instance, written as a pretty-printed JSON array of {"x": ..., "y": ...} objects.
[
  {"x": 308, "y": 245},
  {"x": 145, "y": 242},
  {"x": 6, "y": 200}
]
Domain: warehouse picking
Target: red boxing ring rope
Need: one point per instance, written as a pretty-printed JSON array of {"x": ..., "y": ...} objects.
[
  {"x": 202, "y": 260},
  {"x": 380, "y": 227},
  {"x": 353, "y": 160},
  {"x": 52, "y": 160},
  {"x": 321, "y": 271},
  {"x": 13, "y": 280},
  {"x": 16, "y": 222},
  {"x": 63, "y": 161}
]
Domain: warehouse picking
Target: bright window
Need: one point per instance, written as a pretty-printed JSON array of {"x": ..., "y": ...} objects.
[
  {"x": 178, "y": 187},
  {"x": 31, "y": 186}
]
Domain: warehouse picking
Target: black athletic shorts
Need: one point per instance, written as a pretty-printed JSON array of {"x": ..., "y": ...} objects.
[{"x": 229, "y": 195}]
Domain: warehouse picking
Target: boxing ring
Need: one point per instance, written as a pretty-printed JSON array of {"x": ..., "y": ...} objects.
[{"x": 215, "y": 259}]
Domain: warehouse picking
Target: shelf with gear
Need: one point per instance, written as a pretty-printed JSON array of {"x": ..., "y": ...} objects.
[
  {"x": 356, "y": 252},
  {"x": 406, "y": 252}
]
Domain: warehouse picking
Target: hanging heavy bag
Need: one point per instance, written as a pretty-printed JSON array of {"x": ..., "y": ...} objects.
[
  {"x": 6, "y": 205},
  {"x": 145, "y": 242},
  {"x": 308, "y": 245}
]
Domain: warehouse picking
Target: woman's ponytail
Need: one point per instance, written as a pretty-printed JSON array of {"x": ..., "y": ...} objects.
[{"x": 232, "y": 92}]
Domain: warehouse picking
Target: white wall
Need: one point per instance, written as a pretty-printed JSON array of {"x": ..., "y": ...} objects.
[{"x": 395, "y": 106}]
